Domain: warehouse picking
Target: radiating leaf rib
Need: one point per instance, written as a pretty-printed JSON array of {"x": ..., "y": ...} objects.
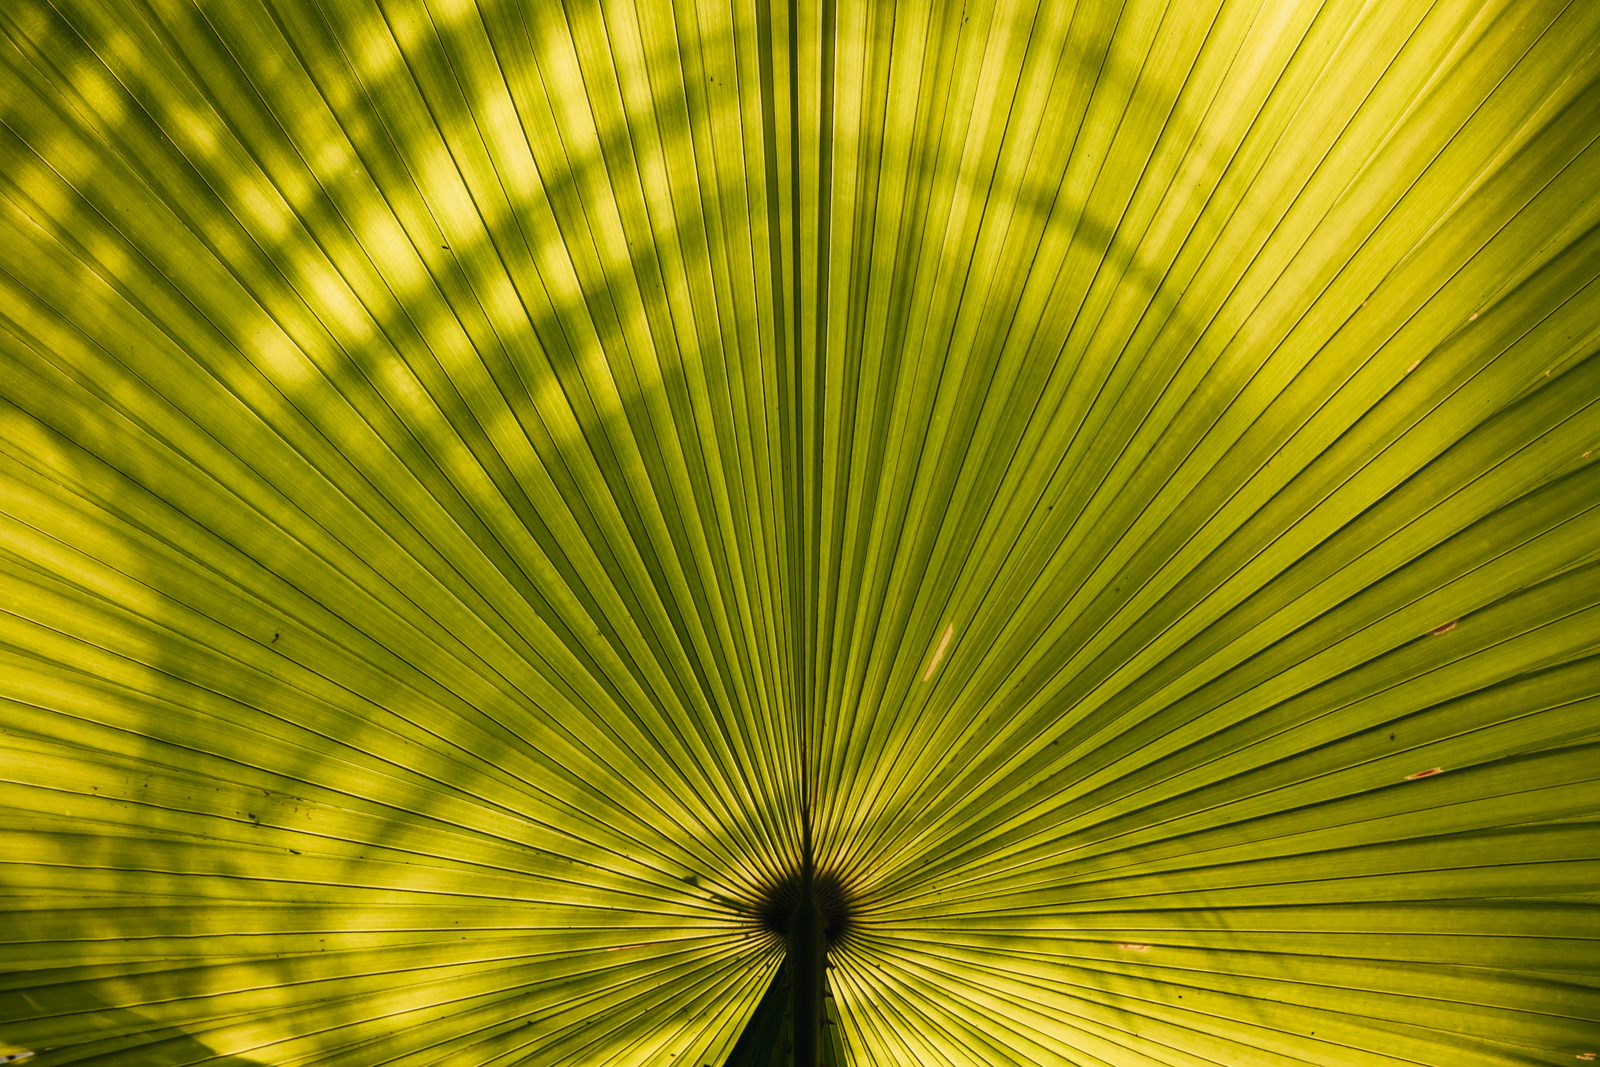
[{"x": 481, "y": 483}]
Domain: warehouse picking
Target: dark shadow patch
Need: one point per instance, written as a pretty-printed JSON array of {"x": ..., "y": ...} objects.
[{"x": 834, "y": 901}]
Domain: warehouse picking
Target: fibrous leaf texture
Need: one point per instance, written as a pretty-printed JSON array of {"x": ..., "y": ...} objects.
[{"x": 483, "y": 482}]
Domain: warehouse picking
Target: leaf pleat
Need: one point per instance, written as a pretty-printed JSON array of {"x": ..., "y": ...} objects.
[{"x": 484, "y": 483}]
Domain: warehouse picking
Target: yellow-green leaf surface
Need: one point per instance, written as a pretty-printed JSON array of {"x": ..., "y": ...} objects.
[{"x": 479, "y": 479}]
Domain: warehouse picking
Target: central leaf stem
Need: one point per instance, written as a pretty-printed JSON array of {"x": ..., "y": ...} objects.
[{"x": 807, "y": 958}]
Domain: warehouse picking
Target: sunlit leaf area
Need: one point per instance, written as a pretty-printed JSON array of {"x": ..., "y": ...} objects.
[{"x": 483, "y": 483}]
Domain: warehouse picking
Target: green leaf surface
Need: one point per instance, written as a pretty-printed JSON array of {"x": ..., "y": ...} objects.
[{"x": 488, "y": 489}]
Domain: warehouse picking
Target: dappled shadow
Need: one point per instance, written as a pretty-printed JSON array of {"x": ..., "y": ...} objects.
[
  {"x": 415, "y": 606},
  {"x": 370, "y": 640},
  {"x": 58, "y": 1019}
]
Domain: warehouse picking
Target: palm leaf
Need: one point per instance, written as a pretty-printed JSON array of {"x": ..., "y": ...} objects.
[{"x": 485, "y": 484}]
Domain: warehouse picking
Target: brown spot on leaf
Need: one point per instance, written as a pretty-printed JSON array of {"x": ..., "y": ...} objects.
[
  {"x": 1133, "y": 948},
  {"x": 1429, "y": 773},
  {"x": 1446, "y": 628}
]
